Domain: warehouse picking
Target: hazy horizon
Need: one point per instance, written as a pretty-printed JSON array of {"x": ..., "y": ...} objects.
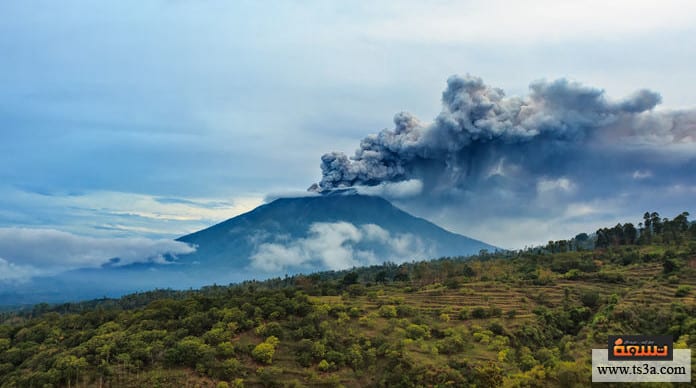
[{"x": 126, "y": 125}]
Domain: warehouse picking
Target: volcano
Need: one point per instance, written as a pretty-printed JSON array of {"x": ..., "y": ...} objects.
[
  {"x": 333, "y": 231},
  {"x": 368, "y": 226}
]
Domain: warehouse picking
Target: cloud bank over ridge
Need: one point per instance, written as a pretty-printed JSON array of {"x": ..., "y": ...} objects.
[{"x": 32, "y": 252}]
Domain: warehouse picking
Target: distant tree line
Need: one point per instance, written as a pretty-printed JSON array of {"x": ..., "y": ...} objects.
[{"x": 653, "y": 230}]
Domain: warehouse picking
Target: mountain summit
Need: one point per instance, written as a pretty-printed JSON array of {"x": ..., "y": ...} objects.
[{"x": 330, "y": 231}]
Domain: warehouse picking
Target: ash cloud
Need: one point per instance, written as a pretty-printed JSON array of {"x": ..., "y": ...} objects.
[
  {"x": 489, "y": 160},
  {"x": 481, "y": 133}
]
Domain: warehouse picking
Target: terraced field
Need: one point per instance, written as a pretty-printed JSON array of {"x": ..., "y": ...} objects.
[{"x": 527, "y": 320}]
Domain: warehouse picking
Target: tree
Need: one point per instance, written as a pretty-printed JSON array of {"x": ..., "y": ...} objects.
[
  {"x": 350, "y": 278},
  {"x": 656, "y": 222},
  {"x": 264, "y": 351},
  {"x": 617, "y": 235},
  {"x": 70, "y": 367},
  {"x": 629, "y": 233},
  {"x": 647, "y": 222},
  {"x": 602, "y": 238}
]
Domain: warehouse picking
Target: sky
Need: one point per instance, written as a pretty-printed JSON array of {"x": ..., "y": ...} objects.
[{"x": 130, "y": 123}]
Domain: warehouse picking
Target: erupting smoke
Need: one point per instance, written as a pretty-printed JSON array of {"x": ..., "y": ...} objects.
[{"x": 482, "y": 136}]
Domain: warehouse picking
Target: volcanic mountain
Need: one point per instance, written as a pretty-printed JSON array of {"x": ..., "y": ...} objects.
[
  {"x": 336, "y": 225},
  {"x": 333, "y": 231}
]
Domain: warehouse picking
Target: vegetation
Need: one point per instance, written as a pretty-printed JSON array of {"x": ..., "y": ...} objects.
[{"x": 515, "y": 319}]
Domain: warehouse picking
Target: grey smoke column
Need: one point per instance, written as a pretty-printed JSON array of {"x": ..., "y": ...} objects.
[{"x": 481, "y": 133}]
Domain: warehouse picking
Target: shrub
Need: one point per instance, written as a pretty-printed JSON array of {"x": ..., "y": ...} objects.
[
  {"x": 355, "y": 290},
  {"x": 496, "y": 328},
  {"x": 611, "y": 277},
  {"x": 231, "y": 367},
  {"x": 452, "y": 283},
  {"x": 269, "y": 375},
  {"x": 452, "y": 344},
  {"x": 324, "y": 366},
  {"x": 270, "y": 329},
  {"x": 479, "y": 313},
  {"x": 682, "y": 291},
  {"x": 526, "y": 360},
  {"x": 414, "y": 331},
  {"x": 590, "y": 299},
  {"x": 387, "y": 311},
  {"x": 405, "y": 310},
  {"x": 670, "y": 265}
]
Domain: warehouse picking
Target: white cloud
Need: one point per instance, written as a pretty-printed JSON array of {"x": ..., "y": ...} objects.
[
  {"x": 165, "y": 209},
  {"x": 642, "y": 174},
  {"x": 335, "y": 246},
  {"x": 394, "y": 190},
  {"x": 10, "y": 272},
  {"x": 109, "y": 213},
  {"x": 375, "y": 232},
  {"x": 30, "y": 252},
  {"x": 560, "y": 184},
  {"x": 529, "y": 22},
  {"x": 580, "y": 210}
]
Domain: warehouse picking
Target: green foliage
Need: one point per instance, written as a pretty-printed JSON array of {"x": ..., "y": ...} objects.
[
  {"x": 682, "y": 291},
  {"x": 264, "y": 351},
  {"x": 483, "y": 313},
  {"x": 270, "y": 376},
  {"x": 670, "y": 265},
  {"x": 414, "y": 331},
  {"x": 387, "y": 311},
  {"x": 590, "y": 299},
  {"x": 350, "y": 278},
  {"x": 355, "y": 290},
  {"x": 515, "y": 319},
  {"x": 324, "y": 366}
]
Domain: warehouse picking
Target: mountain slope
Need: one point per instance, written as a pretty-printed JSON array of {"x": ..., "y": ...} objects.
[{"x": 285, "y": 220}]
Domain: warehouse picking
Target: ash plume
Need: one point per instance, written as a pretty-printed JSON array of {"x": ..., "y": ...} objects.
[{"x": 482, "y": 138}]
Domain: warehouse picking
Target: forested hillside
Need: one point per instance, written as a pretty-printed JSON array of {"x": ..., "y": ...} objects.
[{"x": 524, "y": 318}]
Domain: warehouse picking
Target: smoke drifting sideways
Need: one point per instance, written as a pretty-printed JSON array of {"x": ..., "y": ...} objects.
[{"x": 504, "y": 154}]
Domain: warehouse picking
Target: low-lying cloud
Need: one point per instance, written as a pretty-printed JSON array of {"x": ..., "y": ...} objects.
[
  {"x": 30, "y": 252},
  {"x": 339, "y": 245}
]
